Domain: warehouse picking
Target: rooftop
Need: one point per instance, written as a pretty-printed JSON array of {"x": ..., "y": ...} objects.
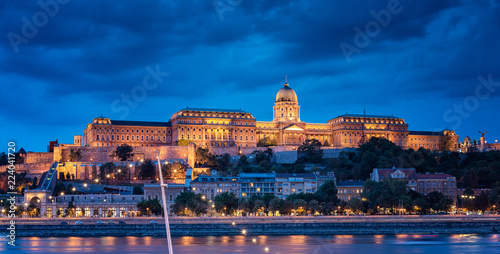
[
  {"x": 367, "y": 116},
  {"x": 386, "y": 173},
  {"x": 434, "y": 176},
  {"x": 214, "y": 110},
  {"x": 141, "y": 123},
  {"x": 304, "y": 175},
  {"x": 206, "y": 178},
  {"x": 426, "y": 133},
  {"x": 350, "y": 184}
]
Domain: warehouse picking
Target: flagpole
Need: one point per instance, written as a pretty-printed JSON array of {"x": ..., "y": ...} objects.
[{"x": 165, "y": 209}]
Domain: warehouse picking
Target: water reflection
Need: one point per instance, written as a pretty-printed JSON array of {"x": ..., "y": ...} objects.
[{"x": 300, "y": 244}]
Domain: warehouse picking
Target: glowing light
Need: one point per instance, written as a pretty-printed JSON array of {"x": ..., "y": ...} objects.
[
  {"x": 266, "y": 249},
  {"x": 254, "y": 240},
  {"x": 84, "y": 185},
  {"x": 233, "y": 223},
  {"x": 244, "y": 231},
  {"x": 62, "y": 193}
]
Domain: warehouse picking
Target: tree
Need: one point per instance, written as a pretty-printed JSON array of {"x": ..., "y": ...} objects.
[
  {"x": 74, "y": 155},
  {"x": 173, "y": 170},
  {"x": 69, "y": 188},
  {"x": 35, "y": 183},
  {"x": 287, "y": 207},
  {"x": 150, "y": 207},
  {"x": 259, "y": 206},
  {"x": 356, "y": 205},
  {"x": 314, "y": 206},
  {"x": 137, "y": 190},
  {"x": 446, "y": 143},
  {"x": 482, "y": 202},
  {"x": 190, "y": 203},
  {"x": 223, "y": 162},
  {"x": 247, "y": 206},
  {"x": 123, "y": 152},
  {"x": 311, "y": 151},
  {"x": 106, "y": 169},
  {"x": 445, "y": 204},
  {"x": 327, "y": 192},
  {"x": 3, "y": 159},
  {"x": 266, "y": 142},
  {"x": 226, "y": 203},
  {"x": 70, "y": 210},
  {"x": 275, "y": 205},
  {"x": 59, "y": 188},
  {"x": 421, "y": 205},
  {"x": 147, "y": 170},
  {"x": 263, "y": 156},
  {"x": 300, "y": 206},
  {"x": 470, "y": 179},
  {"x": 68, "y": 176},
  {"x": 326, "y": 143},
  {"x": 204, "y": 157},
  {"x": 433, "y": 199}
]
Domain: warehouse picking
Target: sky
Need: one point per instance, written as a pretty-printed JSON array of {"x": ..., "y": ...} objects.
[{"x": 65, "y": 62}]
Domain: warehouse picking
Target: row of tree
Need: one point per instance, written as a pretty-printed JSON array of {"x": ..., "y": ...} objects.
[
  {"x": 323, "y": 201},
  {"x": 474, "y": 170}
]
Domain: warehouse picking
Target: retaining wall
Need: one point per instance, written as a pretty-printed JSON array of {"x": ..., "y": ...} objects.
[{"x": 218, "y": 229}]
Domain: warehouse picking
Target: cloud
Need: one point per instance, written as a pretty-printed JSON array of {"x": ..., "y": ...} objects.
[{"x": 93, "y": 52}]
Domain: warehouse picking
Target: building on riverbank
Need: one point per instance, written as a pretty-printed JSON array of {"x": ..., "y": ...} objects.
[
  {"x": 349, "y": 189},
  {"x": 421, "y": 183}
]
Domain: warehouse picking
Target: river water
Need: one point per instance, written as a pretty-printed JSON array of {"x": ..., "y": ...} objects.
[{"x": 297, "y": 244}]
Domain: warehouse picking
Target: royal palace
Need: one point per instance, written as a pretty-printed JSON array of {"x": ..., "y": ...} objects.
[{"x": 225, "y": 127}]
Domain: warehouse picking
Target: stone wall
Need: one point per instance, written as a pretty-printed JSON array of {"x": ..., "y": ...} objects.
[
  {"x": 32, "y": 157},
  {"x": 335, "y": 152},
  {"x": 286, "y": 156},
  {"x": 34, "y": 169},
  {"x": 257, "y": 228},
  {"x": 103, "y": 154}
]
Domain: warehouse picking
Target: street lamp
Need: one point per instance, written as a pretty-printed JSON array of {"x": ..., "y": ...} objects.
[{"x": 85, "y": 185}]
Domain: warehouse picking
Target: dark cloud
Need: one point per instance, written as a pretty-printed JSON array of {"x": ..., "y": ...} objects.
[{"x": 91, "y": 53}]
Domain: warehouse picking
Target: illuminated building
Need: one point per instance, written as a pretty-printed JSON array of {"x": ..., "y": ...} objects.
[{"x": 237, "y": 128}]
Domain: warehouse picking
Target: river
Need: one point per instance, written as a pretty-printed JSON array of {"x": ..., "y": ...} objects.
[{"x": 295, "y": 244}]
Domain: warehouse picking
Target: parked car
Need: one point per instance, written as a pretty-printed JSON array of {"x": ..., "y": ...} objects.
[
  {"x": 78, "y": 222},
  {"x": 153, "y": 222},
  {"x": 99, "y": 222},
  {"x": 64, "y": 223}
]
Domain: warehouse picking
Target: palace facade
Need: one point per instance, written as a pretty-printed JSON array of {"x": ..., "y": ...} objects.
[{"x": 222, "y": 127}]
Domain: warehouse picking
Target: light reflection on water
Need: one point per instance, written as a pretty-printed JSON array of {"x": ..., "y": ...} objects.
[{"x": 300, "y": 244}]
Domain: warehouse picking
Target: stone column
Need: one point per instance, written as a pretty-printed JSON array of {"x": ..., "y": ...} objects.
[
  {"x": 100, "y": 211},
  {"x": 126, "y": 211}
]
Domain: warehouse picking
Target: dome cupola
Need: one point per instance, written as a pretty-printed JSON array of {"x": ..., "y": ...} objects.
[{"x": 286, "y": 94}]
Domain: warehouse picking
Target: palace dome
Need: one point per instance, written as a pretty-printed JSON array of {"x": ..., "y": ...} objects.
[{"x": 286, "y": 94}]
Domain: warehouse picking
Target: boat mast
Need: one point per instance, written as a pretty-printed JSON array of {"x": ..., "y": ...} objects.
[{"x": 165, "y": 209}]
